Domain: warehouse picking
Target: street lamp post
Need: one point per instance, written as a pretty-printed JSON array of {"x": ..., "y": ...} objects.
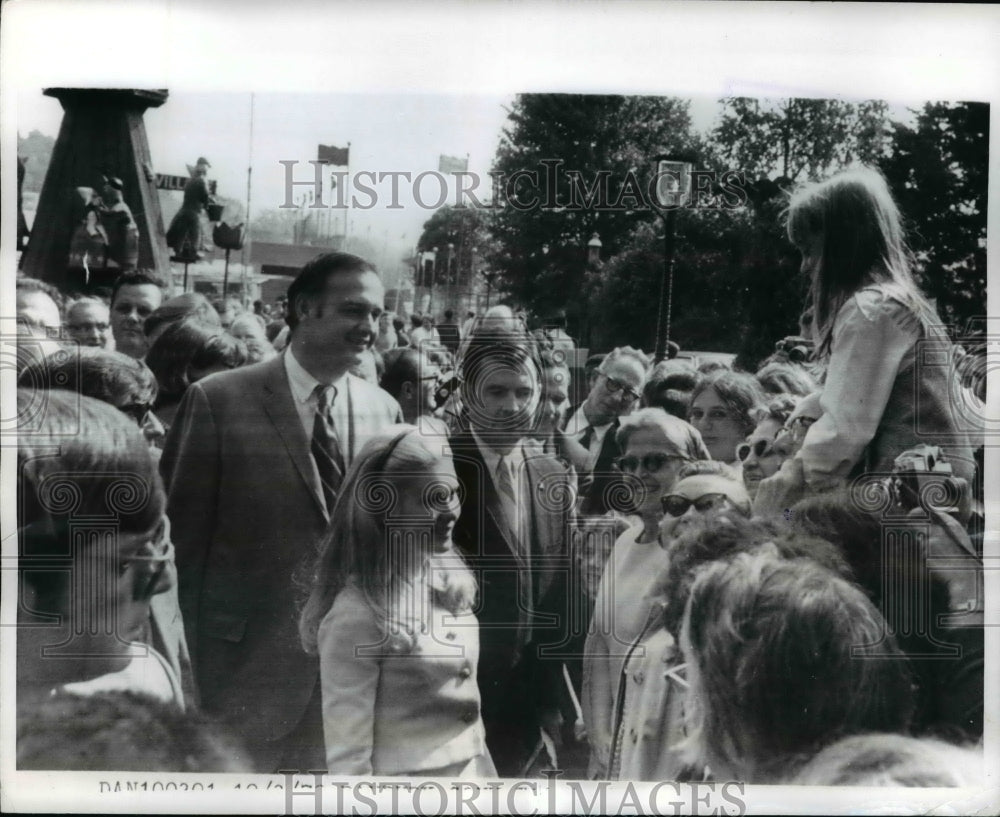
[
  {"x": 434, "y": 262},
  {"x": 449, "y": 288},
  {"x": 673, "y": 182}
]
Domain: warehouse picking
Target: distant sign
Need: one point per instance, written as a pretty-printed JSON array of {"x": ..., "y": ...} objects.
[{"x": 164, "y": 181}]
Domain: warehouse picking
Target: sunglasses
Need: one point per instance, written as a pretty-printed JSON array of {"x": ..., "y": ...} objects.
[
  {"x": 137, "y": 411},
  {"x": 677, "y": 505},
  {"x": 760, "y": 448},
  {"x": 616, "y": 386},
  {"x": 649, "y": 462}
]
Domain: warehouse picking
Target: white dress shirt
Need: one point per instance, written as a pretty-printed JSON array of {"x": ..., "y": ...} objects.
[
  {"x": 577, "y": 427},
  {"x": 303, "y": 386}
]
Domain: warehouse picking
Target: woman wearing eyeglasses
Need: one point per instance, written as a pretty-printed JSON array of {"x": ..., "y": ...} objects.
[
  {"x": 646, "y": 713},
  {"x": 656, "y": 446},
  {"x": 758, "y": 454},
  {"x": 722, "y": 406},
  {"x": 95, "y": 550}
]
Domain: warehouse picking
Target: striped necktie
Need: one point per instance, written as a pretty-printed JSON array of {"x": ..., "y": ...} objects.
[{"x": 325, "y": 448}]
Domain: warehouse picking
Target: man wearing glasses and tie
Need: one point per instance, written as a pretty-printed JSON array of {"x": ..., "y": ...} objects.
[
  {"x": 593, "y": 424},
  {"x": 252, "y": 465}
]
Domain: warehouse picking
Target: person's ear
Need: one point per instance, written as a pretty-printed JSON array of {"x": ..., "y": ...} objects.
[{"x": 407, "y": 391}]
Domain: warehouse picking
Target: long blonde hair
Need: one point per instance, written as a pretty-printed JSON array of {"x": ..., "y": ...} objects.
[
  {"x": 863, "y": 244},
  {"x": 395, "y": 577}
]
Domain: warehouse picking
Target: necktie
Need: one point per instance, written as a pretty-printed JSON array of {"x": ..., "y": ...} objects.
[
  {"x": 506, "y": 483},
  {"x": 325, "y": 447},
  {"x": 587, "y": 437}
]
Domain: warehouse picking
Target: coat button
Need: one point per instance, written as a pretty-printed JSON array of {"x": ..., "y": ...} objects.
[
  {"x": 465, "y": 672},
  {"x": 470, "y": 715},
  {"x": 639, "y": 677},
  {"x": 450, "y": 635},
  {"x": 634, "y": 735}
]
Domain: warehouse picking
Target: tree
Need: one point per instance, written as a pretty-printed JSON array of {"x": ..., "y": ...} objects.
[
  {"x": 799, "y": 139},
  {"x": 938, "y": 172},
  {"x": 462, "y": 240},
  {"x": 569, "y": 166}
]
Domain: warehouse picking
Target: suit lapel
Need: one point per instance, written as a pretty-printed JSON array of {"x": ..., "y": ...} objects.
[{"x": 279, "y": 405}]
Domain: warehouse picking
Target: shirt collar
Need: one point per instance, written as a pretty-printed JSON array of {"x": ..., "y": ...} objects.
[
  {"x": 301, "y": 382},
  {"x": 492, "y": 458}
]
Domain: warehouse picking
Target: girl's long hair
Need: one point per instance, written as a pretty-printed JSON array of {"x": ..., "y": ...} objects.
[
  {"x": 863, "y": 244},
  {"x": 396, "y": 576}
]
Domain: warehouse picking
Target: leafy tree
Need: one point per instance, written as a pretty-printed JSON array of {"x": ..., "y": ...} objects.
[
  {"x": 938, "y": 172},
  {"x": 569, "y": 166},
  {"x": 799, "y": 139},
  {"x": 462, "y": 239}
]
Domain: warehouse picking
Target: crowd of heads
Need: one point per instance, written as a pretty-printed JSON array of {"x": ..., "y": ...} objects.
[{"x": 785, "y": 625}]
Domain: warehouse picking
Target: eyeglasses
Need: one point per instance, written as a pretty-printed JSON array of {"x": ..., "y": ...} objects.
[
  {"x": 760, "y": 448},
  {"x": 89, "y": 327},
  {"x": 677, "y": 505},
  {"x": 649, "y": 462},
  {"x": 615, "y": 386},
  {"x": 155, "y": 552},
  {"x": 137, "y": 411}
]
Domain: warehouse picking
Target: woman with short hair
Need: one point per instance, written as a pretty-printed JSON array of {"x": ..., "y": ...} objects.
[{"x": 655, "y": 447}]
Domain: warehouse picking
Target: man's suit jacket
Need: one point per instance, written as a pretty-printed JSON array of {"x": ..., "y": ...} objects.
[
  {"x": 246, "y": 511},
  {"x": 517, "y": 679}
]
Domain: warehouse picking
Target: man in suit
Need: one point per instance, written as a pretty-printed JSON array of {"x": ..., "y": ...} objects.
[
  {"x": 594, "y": 425},
  {"x": 252, "y": 466},
  {"x": 513, "y": 530}
]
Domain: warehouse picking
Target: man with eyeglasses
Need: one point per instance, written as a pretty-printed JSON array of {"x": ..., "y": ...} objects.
[
  {"x": 88, "y": 322},
  {"x": 413, "y": 379},
  {"x": 593, "y": 424}
]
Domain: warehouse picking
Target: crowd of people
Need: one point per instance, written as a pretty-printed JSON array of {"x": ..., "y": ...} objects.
[{"x": 324, "y": 539}]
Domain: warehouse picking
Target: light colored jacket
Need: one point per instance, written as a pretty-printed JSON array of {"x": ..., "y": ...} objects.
[
  {"x": 649, "y": 711},
  {"x": 391, "y": 713}
]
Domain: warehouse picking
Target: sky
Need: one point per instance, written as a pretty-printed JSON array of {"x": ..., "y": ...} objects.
[
  {"x": 404, "y": 85},
  {"x": 387, "y": 132}
]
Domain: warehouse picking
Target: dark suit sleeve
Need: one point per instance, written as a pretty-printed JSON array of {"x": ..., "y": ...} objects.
[{"x": 191, "y": 466}]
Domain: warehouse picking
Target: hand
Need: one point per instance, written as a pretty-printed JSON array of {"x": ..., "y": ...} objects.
[{"x": 777, "y": 493}]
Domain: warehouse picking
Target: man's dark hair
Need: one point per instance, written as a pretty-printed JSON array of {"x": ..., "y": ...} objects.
[
  {"x": 134, "y": 278},
  {"x": 111, "y": 377},
  {"x": 448, "y": 314},
  {"x": 311, "y": 281}
]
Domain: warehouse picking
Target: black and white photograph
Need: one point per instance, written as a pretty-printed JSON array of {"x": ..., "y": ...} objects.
[{"x": 505, "y": 408}]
